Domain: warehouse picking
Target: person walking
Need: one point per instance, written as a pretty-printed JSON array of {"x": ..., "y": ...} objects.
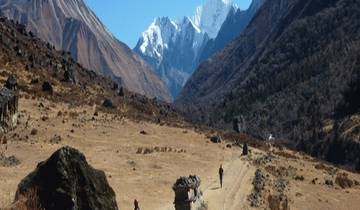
[
  {"x": 136, "y": 205},
  {"x": 221, "y": 175}
]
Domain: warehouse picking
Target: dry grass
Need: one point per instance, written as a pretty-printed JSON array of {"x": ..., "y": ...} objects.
[{"x": 28, "y": 200}]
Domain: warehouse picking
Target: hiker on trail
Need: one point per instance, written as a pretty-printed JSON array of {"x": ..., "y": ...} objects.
[
  {"x": 136, "y": 205},
  {"x": 221, "y": 174}
]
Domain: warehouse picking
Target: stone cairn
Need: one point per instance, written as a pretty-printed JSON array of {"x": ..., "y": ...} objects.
[{"x": 187, "y": 194}]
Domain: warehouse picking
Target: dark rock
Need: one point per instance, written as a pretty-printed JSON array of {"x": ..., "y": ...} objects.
[
  {"x": 183, "y": 198},
  {"x": 34, "y": 132},
  {"x": 11, "y": 83},
  {"x": 67, "y": 182},
  {"x": 143, "y": 132},
  {"x": 245, "y": 150},
  {"x": 299, "y": 178},
  {"x": 47, "y": 87},
  {"x": 216, "y": 139},
  {"x": 108, "y": 104}
]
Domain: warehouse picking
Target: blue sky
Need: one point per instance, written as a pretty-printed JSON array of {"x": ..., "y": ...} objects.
[{"x": 126, "y": 19}]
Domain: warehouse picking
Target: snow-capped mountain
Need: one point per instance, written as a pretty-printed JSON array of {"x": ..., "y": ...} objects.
[
  {"x": 173, "y": 48},
  {"x": 210, "y": 17},
  {"x": 236, "y": 21},
  {"x": 71, "y": 26}
]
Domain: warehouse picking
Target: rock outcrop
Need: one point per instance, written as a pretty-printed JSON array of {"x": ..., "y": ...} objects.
[{"x": 67, "y": 182}]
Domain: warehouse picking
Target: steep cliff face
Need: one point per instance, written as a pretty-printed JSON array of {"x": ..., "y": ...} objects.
[
  {"x": 290, "y": 73},
  {"x": 236, "y": 21},
  {"x": 72, "y": 26}
]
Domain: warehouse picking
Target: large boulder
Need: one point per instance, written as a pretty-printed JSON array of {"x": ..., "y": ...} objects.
[{"x": 67, "y": 182}]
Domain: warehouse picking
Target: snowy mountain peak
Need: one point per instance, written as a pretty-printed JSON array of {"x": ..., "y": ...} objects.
[
  {"x": 210, "y": 16},
  {"x": 173, "y": 48},
  {"x": 157, "y": 37},
  {"x": 163, "y": 22}
]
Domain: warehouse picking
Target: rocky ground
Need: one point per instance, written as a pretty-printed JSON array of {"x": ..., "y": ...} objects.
[{"x": 143, "y": 160}]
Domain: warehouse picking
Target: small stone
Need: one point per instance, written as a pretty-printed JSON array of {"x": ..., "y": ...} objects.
[
  {"x": 143, "y": 132},
  {"x": 34, "y": 131},
  {"x": 216, "y": 139},
  {"x": 47, "y": 87},
  {"x": 108, "y": 104}
]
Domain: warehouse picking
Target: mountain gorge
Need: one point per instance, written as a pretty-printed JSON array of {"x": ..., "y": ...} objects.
[
  {"x": 72, "y": 26},
  {"x": 293, "y": 72},
  {"x": 174, "y": 49},
  {"x": 274, "y": 101}
]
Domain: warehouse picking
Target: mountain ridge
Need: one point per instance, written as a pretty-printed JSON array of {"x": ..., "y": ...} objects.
[
  {"x": 236, "y": 21},
  {"x": 288, "y": 74},
  {"x": 76, "y": 28}
]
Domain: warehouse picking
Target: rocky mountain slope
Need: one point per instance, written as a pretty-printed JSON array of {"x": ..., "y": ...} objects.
[
  {"x": 293, "y": 72},
  {"x": 75, "y": 28},
  {"x": 173, "y": 48},
  {"x": 42, "y": 71}
]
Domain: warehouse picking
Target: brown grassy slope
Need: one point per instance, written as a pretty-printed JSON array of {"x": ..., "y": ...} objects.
[{"x": 34, "y": 62}]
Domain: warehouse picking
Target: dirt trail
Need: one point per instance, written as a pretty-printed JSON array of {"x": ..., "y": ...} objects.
[{"x": 236, "y": 187}]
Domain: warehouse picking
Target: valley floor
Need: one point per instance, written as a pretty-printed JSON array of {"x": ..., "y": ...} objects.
[{"x": 112, "y": 144}]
